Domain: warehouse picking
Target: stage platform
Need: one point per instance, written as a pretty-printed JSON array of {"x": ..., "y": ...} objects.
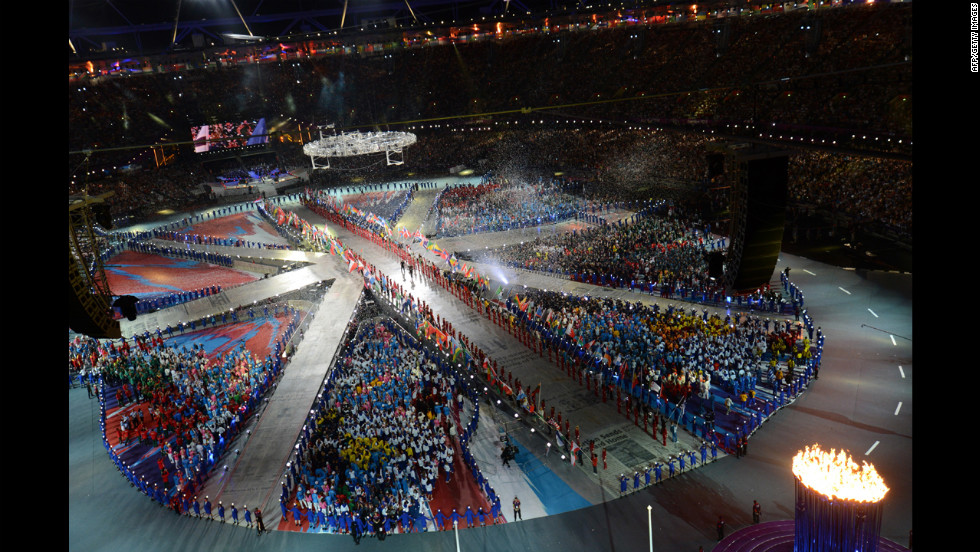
[
  {"x": 776, "y": 536},
  {"x": 244, "y": 295},
  {"x": 684, "y": 507},
  {"x": 257, "y": 187},
  {"x": 253, "y": 477}
]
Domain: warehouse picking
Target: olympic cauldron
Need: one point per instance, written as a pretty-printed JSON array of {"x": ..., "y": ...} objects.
[{"x": 838, "y": 503}]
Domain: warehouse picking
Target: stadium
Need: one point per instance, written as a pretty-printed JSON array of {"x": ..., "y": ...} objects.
[{"x": 490, "y": 275}]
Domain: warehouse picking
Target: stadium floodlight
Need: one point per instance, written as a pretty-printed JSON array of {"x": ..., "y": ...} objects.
[{"x": 237, "y": 36}]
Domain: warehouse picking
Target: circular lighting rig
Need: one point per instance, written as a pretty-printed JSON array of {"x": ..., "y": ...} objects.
[{"x": 350, "y": 144}]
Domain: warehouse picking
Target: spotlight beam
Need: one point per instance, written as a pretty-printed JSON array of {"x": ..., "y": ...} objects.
[
  {"x": 173, "y": 39},
  {"x": 242, "y": 18},
  {"x": 410, "y": 10},
  {"x": 242, "y": 36}
]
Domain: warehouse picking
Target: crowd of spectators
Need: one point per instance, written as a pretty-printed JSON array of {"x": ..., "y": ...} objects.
[
  {"x": 866, "y": 190},
  {"x": 844, "y": 70},
  {"x": 780, "y": 68},
  {"x": 139, "y": 194}
]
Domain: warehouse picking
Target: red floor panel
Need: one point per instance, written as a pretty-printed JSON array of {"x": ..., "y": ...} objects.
[
  {"x": 460, "y": 492},
  {"x": 246, "y": 226},
  {"x": 132, "y": 273}
]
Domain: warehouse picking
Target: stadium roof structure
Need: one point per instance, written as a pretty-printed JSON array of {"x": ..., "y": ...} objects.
[{"x": 141, "y": 28}]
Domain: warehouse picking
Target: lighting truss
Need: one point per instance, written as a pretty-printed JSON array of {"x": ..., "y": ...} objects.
[{"x": 350, "y": 144}]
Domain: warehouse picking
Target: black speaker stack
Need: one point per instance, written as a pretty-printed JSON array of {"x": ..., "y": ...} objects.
[{"x": 758, "y": 174}]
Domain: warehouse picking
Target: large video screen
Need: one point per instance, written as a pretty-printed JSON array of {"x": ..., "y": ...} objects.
[{"x": 225, "y": 136}]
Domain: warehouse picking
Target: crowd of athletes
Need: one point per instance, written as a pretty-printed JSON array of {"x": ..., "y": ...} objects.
[{"x": 381, "y": 437}]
